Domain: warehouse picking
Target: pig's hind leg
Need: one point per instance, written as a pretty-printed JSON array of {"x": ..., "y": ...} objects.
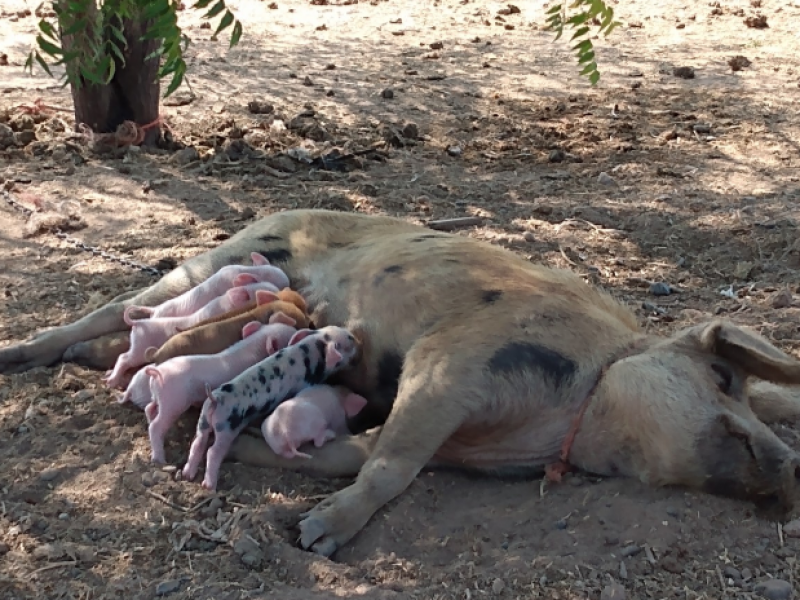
[
  {"x": 216, "y": 454},
  {"x": 200, "y": 441}
]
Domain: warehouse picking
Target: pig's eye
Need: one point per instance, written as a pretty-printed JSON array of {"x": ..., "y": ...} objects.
[
  {"x": 338, "y": 346},
  {"x": 724, "y": 376}
]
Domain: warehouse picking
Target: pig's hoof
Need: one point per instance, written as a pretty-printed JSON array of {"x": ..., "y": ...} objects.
[
  {"x": 334, "y": 521},
  {"x": 211, "y": 486},
  {"x": 187, "y": 474}
]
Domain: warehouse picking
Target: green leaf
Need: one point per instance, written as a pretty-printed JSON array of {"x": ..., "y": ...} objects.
[
  {"x": 586, "y": 57},
  {"x": 215, "y": 10},
  {"x": 556, "y": 9},
  {"x": 236, "y": 35},
  {"x": 177, "y": 78},
  {"x": 48, "y": 47},
  {"x": 594, "y": 77},
  {"x": 583, "y": 46},
  {"x": 579, "y": 19},
  {"x": 589, "y": 68},
  {"x": 201, "y": 4},
  {"x": 580, "y": 33},
  {"x": 47, "y": 28},
  {"x": 89, "y": 76},
  {"x": 77, "y": 26},
  {"x": 224, "y": 22},
  {"x": 42, "y": 64}
]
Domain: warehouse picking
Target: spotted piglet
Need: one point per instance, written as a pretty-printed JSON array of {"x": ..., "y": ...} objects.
[
  {"x": 316, "y": 414},
  {"x": 180, "y": 382},
  {"x": 309, "y": 359}
]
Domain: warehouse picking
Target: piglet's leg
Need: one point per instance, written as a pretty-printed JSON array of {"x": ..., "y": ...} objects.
[
  {"x": 158, "y": 428},
  {"x": 115, "y": 378},
  {"x": 200, "y": 442},
  {"x": 216, "y": 454}
]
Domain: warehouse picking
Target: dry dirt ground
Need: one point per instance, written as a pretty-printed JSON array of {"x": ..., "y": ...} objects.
[{"x": 700, "y": 191}]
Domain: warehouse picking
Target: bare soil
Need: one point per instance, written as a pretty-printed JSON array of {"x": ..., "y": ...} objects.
[{"x": 700, "y": 191}]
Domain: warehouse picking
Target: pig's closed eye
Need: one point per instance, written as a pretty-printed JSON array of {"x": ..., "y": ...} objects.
[{"x": 723, "y": 376}]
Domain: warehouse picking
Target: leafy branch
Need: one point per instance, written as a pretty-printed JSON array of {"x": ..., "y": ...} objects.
[
  {"x": 88, "y": 37},
  {"x": 595, "y": 12}
]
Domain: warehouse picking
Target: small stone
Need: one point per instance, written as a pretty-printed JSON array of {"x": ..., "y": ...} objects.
[
  {"x": 436, "y": 46},
  {"x": 743, "y": 270},
  {"x": 330, "y": 67},
  {"x": 247, "y": 213},
  {"x": 170, "y": 586},
  {"x": 613, "y": 591},
  {"x": 147, "y": 480},
  {"x": 185, "y": 156},
  {"x": 49, "y": 474},
  {"x": 605, "y": 179},
  {"x": 63, "y": 517},
  {"x": 561, "y": 524},
  {"x": 659, "y": 288},
  {"x": 330, "y": 93},
  {"x": 498, "y": 586},
  {"x": 529, "y": 237},
  {"x": 623, "y": 570},
  {"x": 732, "y": 573},
  {"x": 454, "y": 150},
  {"x": 251, "y": 560},
  {"x": 756, "y": 22},
  {"x": 557, "y": 156},
  {"x": 25, "y": 137},
  {"x": 631, "y": 550},
  {"x": 257, "y": 107},
  {"x": 702, "y": 127},
  {"x": 784, "y": 299},
  {"x": 774, "y": 589},
  {"x": 673, "y": 512},
  {"x": 747, "y": 574},
  {"x": 738, "y": 62},
  {"x": 683, "y": 72},
  {"x": 410, "y": 131},
  {"x": 307, "y": 81},
  {"x": 387, "y": 94},
  {"x": 4, "y": 548}
]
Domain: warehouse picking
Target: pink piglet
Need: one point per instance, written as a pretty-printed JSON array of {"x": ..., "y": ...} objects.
[
  {"x": 154, "y": 331},
  {"x": 219, "y": 283},
  {"x": 179, "y": 382},
  {"x": 316, "y": 414}
]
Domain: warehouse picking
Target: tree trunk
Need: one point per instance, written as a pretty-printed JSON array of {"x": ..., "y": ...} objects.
[{"x": 132, "y": 94}]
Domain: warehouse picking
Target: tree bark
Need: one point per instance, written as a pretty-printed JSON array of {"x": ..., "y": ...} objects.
[{"x": 132, "y": 94}]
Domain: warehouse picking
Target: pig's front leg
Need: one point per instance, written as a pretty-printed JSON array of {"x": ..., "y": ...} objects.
[
  {"x": 200, "y": 441},
  {"x": 216, "y": 454}
]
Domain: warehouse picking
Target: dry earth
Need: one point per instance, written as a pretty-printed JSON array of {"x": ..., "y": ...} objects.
[{"x": 700, "y": 192}]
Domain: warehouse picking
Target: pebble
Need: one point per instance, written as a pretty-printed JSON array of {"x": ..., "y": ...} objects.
[
  {"x": 529, "y": 237},
  {"x": 631, "y": 550},
  {"x": 498, "y": 586},
  {"x": 606, "y": 179},
  {"x": 561, "y": 524},
  {"x": 673, "y": 512},
  {"x": 557, "y": 156},
  {"x": 623, "y": 570},
  {"x": 454, "y": 150},
  {"x": 747, "y": 574},
  {"x": 4, "y": 548},
  {"x": 659, "y": 288},
  {"x": 774, "y": 589},
  {"x": 167, "y": 587},
  {"x": 732, "y": 572},
  {"x": 613, "y": 591},
  {"x": 49, "y": 474},
  {"x": 63, "y": 517},
  {"x": 683, "y": 72},
  {"x": 185, "y": 156},
  {"x": 387, "y": 94}
]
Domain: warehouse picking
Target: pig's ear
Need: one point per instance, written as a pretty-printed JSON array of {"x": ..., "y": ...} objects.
[
  {"x": 238, "y": 296},
  {"x": 298, "y": 336},
  {"x": 250, "y": 328},
  {"x": 332, "y": 356},
  {"x": 258, "y": 259},
  {"x": 265, "y": 297},
  {"x": 353, "y": 403},
  {"x": 149, "y": 353},
  {"x": 282, "y": 317},
  {"x": 244, "y": 279}
]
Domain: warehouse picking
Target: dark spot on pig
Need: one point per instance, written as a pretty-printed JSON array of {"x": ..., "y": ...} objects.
[
  {"x": 219, "y": 427},
  {"x": 390, "y": 367},
  {"x": 519, "y": 357},
  {"x": 292, "y": 362},
  {"x": 422, "y": 238},
  {"x": 279, "y": 354},
  {"x": 262, "y": 380},
  {"x": 305, "y": 348},
  {"x": 204, "y": 424},
  {"x": 327, "y": 337},
  {"x": 390, "y": 270},
  {"x": 277, "y": 255},
  {"x": 227, "y": 388},
  {"x": 491, "y": 296},
  {"x": 276, "y": 371},
  {"x": 307, "y": 364}
]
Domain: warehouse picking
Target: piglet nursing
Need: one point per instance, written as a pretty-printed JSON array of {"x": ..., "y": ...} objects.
[
  {"x": 309, "y": 359},
  {"x": 316, "y": 414},
  {"x": 219, "y": 283},
  {"x": 155, "y": 331},
  {"x": 180, "y": 382}
]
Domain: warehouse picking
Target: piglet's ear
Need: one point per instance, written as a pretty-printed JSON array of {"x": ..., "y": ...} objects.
[
  {"x": 299, "y": 336},
  {"x": 332, "y": 356},
  {"x": 250, "y": 328},
  {"x": 258, "y": 259},
  {"x": 282, "y": 317},
  {"x": 149, "y": 353},
  {"x": 244, "y": 279},
  {"x": 238, "y": 296},
  {"x": 136, "y": 313},
  {"x": 265, "y": 297},
  {"x": 353, "y": 403}
]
